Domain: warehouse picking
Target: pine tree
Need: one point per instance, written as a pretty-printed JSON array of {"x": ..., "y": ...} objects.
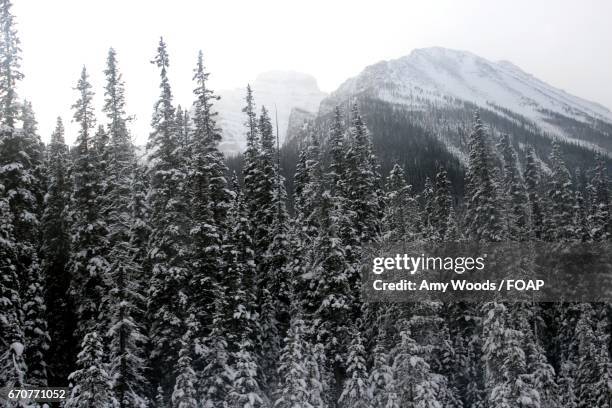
[
  {"x": 241, "y": 316},
  {"x": 10, "y": 65},
  {"x": 532, "y": 181},
  {"x": 209, "y": 201},
  {"x": 337, "y": 166},
  {"x": 250, "y": 169},
  {"x": 382, "y": 382},
  {"x": 361, "y": 182},
  {"x": 184, "y": 395},
  {"x": 515, "y": 199},
  {"x": 356, "y": 391},
  {"x": 88, "y": 263},
  {"x": 120, "y": 152},
  {"x": 332, "y": 295},
  {"x": 442, "y": 204},
  {"x": 560, "y": 222},
  {"x": 482, "y": 212},
  {"x": 293, "y": 370},
  {"x": 246, "y": 392},
  {"x": 600, "y": 219},
  {"x": 170, "y": 275},
  {"x": 12, "y": 364},
  {"x": 56, "y": 255},
  {"x": 413, "y": 374},
  {"x": 125, "y": 299},
  {"x": 402, "y": 218},
  {"x": 91, "y": 384}
]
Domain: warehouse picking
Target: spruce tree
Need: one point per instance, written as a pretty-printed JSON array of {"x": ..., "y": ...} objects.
[
  {"x": 91, "y": 384},
  {"x": 600, "y": 218},
  {"x": 184, "y": 394},
  {"x": 356, "y": 390},
  {"x": 514, "y": 197},
  {"x": 246, "y": 391},
  {"x": 560, "y": 221},
  {"x": 89, "y": 263},
  {"x": 482, "y": 212},
  {"x": 12, "y": 342},
  {"x": 170, "y": 275},
  {"x": 442, "y": 204},
  {"x": 532, "y": 182},
  {"x": 10, "y": 65},
  {"x": 56, "y": 255}
]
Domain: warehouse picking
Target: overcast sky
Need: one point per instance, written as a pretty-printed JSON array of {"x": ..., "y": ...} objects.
[{"x": 565, "y": 43}]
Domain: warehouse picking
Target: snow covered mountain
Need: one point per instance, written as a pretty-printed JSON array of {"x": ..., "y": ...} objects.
[
  {"x": 444, "y": 78},
  {"x": 282, "y": 90}
]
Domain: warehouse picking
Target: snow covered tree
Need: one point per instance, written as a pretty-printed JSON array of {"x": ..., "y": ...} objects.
[
  {"x": 402, "y": 219},
  {"x": 507, "y": 380},
  {"x": 514, "y": 198},
  {"x": 127, "y": 341},
  {"x": 560, "y": 220},
  {"x": 10, "y": 65},
  {"x": 184, "y": 395},
  {"x": 208, "y": 202},
  {"x": 482, "y": 212},
  {"x": 56, "y": 254},
  {"x": 532, "y": 182},
  {"x": 250, "y": 170},
  {"x": 361, "y": 182},
  {"x": 337, "y": 151},
  {"x": 91, "y": 385},
  {"x": 167, "y": 254},
  {"x": 88, "y": 262},
  {"x": 246, "y": 392},
  {"x": 293, "y": 370},
  {"x": 356, "y": 391},
  {"x": 442, "y": 204},
  {"x": 382, "y": 383},
  {"x": 332, "y": 295},
  {"x": 414, "y": 381},
  {"x": 12, "y": 342},
  {"x": 600, "y": 219}
]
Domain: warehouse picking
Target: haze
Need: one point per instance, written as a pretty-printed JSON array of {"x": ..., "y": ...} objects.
[{"x": 565, "y": 43}]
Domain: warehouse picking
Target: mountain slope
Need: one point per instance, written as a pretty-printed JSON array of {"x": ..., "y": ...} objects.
[
  {"x": 439, "y": 78},
  {"x": 284, "y": 90}
]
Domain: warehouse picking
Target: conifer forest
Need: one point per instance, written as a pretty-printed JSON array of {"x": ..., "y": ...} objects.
[{"x": 173, "y": 275}]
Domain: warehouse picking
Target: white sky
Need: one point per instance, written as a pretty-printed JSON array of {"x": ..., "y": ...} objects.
[{"x": 565, "y": 43}]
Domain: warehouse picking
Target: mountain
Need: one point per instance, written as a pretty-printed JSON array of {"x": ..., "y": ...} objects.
[
  {"x": 434, "y": 78},
  {"x": 281, "y": 90}
]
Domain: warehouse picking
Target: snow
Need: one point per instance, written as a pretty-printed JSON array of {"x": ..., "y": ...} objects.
[
  {"x": 443, "y": 76},
  {"x": 284, "y": 90}
]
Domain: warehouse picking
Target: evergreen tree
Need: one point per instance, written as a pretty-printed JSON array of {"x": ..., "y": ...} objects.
[
  {"x": 56, "y": 254},
  {"x": 250, "y": 169},
  {"x": 413, "y": 374},
  {"x": 246, "y": 392},
  {"x": 382, "y": 382},
  {"x": 10, "y": 65},
  {"x": 532, "y": 181},
  {"x": 184, "y": 395},
  {"x": 12, "y": 342},
  {"x": 482, "y": 212},
  {"x": 600, "y": 219},
  {"x": 88, "y": 263},
  {"x": 356, "y": 391},
  {"x": 560, "y": 220},
  {"x": 402, "y": 218},
  {"x": 167, "y": 257},
  {"x": 361, "y": 182},
  {"x": 332, "y": 295},
  {"x": 127, "y": 360},
  {"x": 442, "y": 204},
  {"x": 515, "y": 200},
  {"x": 91, "y": 384},
  {"x": 293, "y": 370}
]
